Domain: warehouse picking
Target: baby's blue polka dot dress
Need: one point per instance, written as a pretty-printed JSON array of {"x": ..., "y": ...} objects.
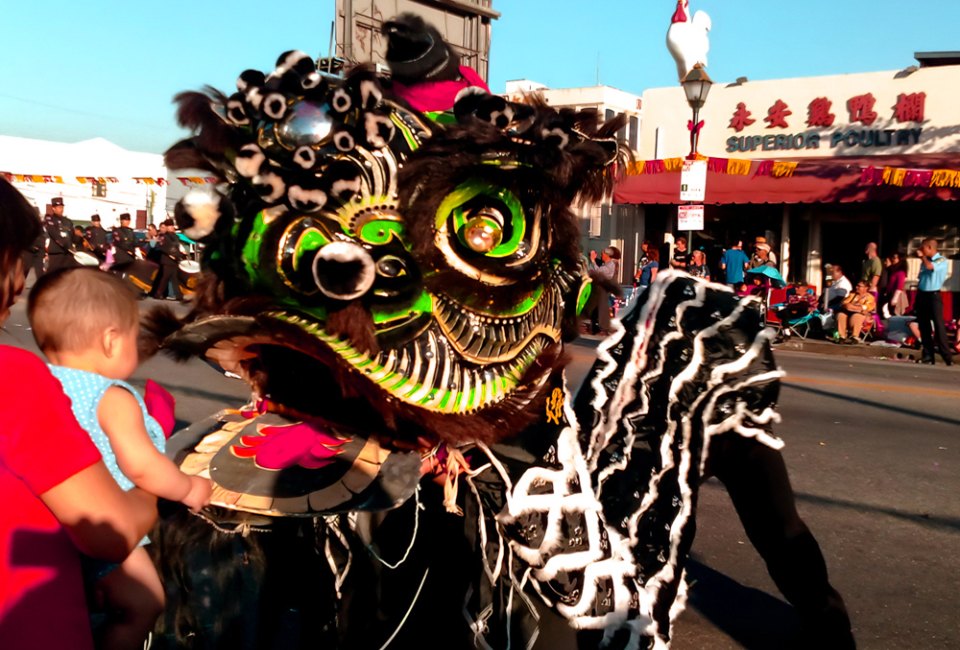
[{"x": 85, "y": 390}]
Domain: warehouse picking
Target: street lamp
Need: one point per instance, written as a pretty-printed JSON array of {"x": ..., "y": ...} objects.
[{"x": 696, "y": 85}]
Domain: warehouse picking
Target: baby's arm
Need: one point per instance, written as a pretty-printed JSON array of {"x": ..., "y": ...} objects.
[{"x": 121, "y": 419}]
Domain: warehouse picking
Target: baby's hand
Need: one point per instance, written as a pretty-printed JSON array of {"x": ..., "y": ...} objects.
[{"x": 199, "y": 494}]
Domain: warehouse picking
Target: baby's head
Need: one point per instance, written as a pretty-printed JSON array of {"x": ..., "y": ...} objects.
[{"x": 86, "y": 314}]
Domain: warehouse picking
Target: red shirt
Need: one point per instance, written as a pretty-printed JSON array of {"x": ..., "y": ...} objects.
[{"x": 41, "y": 445}]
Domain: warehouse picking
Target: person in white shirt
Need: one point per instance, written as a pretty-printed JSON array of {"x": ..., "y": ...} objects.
[{"x": 837, "y": 290}]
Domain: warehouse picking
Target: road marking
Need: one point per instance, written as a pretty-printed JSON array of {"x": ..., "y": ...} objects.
[{"x": 883, "y": 388}]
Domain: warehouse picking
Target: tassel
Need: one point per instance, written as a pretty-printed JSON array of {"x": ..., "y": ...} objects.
[
  {"x": 717, "y": 165},
  {"x": 738, "y": 167},
  {"x": 672, "y": 164},
  {"x": 783, "y": 169},
  {"x": 892, "y": 176},
  {"x": 945, "y": 178},
  {"x": 456, "y": 463},
  {"x": 765, "y": 168}
]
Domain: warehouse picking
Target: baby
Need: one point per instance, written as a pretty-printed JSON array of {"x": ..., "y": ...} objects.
[{"x": 86, "y": 322}]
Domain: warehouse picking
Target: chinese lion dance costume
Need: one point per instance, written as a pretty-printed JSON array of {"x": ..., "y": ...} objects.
[{"x": 396, "y": 286}]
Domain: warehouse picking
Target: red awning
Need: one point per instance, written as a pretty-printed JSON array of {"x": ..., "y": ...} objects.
[{"x": 819, "y": 180}]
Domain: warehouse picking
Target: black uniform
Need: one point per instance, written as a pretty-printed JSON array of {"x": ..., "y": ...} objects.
[
  {"x": 97, "y": 238},
  {"x": 59, "y": 232},
  {"x": 170, "y": 256},
  {"x": 33, "y": 257},
  {"x": 124, "y": 245}
]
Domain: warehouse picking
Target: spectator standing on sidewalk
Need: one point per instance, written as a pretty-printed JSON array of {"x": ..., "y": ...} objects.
[
  {"x": 648, "y": 272},
  {"x": 761, "y": 257},
  {"x": 681, "y": 256},
  {"x": 767, "y": 257},
  {"x": 872, "y": 268},
  {"x": 929, "y": 304},
  {"x": 894, "y": 295},
  {"x": 733, "y": 263},
  {"x": 698, "y": 265}
]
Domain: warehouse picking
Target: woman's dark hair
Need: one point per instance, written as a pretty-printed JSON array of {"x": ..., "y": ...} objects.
[
  {"x": 19, "y": 227},
  {"x": 653, "y": 255}
]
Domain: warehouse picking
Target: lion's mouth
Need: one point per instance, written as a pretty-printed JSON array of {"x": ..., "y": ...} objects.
[{"x": 427, "y": 372}]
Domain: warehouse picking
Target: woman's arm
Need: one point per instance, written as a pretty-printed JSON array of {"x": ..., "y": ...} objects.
[
  {"x": 653, "y": 273},
  {"x": 102, "y": 520},
  {"x": 122, "y": 420}
]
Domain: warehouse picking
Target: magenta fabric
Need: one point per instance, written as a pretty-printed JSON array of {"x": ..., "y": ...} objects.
[{"x": 439, "y": 95}]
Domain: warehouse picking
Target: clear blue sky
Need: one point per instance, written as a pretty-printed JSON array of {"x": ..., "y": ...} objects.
[{"x": 109, "y": 68}]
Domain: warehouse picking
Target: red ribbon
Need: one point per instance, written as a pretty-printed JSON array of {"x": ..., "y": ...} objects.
[{"x": 695, "y": 129}]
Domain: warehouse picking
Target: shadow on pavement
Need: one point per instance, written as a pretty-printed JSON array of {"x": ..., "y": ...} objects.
[{"x": 752, "y": 618}]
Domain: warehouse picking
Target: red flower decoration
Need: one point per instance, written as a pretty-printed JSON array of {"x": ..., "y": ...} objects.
[{"x": 280, "y": 447}]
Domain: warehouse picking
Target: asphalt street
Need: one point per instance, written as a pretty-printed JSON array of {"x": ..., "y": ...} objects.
[{"x": 873, "y": 450}]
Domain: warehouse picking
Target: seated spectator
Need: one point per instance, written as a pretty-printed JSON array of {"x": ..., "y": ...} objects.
[
  {"x": 698, "y": 265},
  {"x": 856, "y": 308},
  {"x": 838, "y": 290}
]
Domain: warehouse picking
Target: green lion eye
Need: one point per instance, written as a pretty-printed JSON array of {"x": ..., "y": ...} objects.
[{"x": 486, "y": 219}]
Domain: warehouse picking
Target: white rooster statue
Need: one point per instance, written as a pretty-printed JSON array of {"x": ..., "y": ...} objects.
[{"x": 687, "y": 39}]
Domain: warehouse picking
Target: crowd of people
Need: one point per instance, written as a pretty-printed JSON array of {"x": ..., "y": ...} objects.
[
  {"x": 850, "y": 310},
  {"x": 880, "y": 294},
  {"x": 151, "y": 263}
]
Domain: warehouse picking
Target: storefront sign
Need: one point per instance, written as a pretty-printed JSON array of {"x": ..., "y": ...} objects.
[
  {"x": 813, "y": 140},
  {"x": 693, "y": 180},
  {"x": 861, "y": 110},
  {"x": 690, "y": 217}
]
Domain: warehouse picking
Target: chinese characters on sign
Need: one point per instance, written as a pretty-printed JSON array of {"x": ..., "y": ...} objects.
[
  {"x": 690, "y": 217},
  {"x": 861, "y": 110}
]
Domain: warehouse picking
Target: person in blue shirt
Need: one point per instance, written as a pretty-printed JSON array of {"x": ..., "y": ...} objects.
[
  {"x": 929, "y": 304},
  {"x": 733, "y": 263}
]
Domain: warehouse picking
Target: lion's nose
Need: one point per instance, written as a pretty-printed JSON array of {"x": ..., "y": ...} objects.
[{"x": 343, "y": 270}]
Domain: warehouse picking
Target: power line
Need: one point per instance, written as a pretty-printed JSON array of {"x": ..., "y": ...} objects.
[{"x": 84, "y": 113}]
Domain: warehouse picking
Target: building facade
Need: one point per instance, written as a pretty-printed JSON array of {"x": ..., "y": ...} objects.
[
  {"x": 819, "y": 165},
  {"x": 464, "y": 24},
  {"x": 92, "y": 177},
  {"x": 602, "y": 224}
]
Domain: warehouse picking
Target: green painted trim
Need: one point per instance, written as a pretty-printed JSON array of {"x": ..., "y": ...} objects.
[
  {"x": 406, "y": 131},
  {"x": 386, "y": 229},
  {"x": 584, "y": 295},
  {"x": 310, "y": 240},
  {"x": 251, "y": 249}
]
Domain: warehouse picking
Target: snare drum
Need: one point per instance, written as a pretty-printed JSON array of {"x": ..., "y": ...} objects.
[
  {"x": 140, "y": 274},
  {"x": 85, "y": 259},
  {"x": 188, "y": 274}
]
